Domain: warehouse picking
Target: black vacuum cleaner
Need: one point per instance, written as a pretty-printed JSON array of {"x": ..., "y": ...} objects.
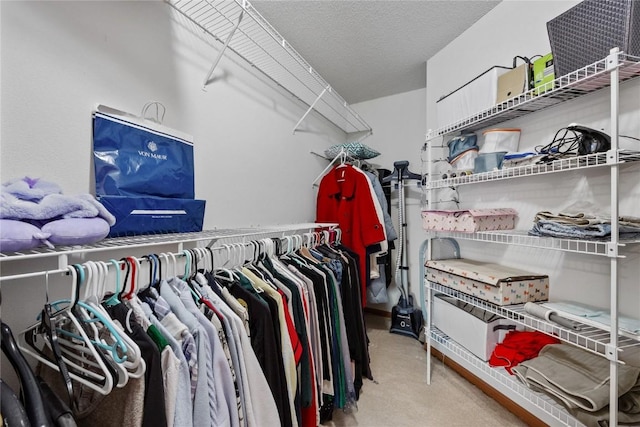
[{"x": 406, "y": 319}]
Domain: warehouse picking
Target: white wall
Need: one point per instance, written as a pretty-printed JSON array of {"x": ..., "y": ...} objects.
[
  {"x": 495, "y": 40},
  {"x": 399, "y": 132},
  {"x": 61, "y": 59}
]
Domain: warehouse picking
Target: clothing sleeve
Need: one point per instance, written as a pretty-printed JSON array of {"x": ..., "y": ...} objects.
[{"x": 371, "y": 229}]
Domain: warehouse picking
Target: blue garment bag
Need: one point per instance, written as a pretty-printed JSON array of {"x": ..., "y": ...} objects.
[{"x": 134, "y": 156}]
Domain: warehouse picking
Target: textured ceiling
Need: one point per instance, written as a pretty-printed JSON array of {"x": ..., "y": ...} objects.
[{"x": 368, "y": 49}]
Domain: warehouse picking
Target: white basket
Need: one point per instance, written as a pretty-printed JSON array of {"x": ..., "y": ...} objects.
[
  {"x": 500, "y": 140},
  {"x": 465, "y": 161}
]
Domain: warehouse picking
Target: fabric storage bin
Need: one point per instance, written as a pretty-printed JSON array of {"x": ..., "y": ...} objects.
[
  {"x": 460, "y": 144},
  {"x": 495, "y": 283},
  {"x": 586, "y": 33},
  {"x": 469, "y": 221},
  {"x": 477, "y": 330},
  {"x": 487, "y": 162},
  {"x": 495, "y": 140},
  {"x": 474, "y": 96},
  {"x": 153, "y": 215}
]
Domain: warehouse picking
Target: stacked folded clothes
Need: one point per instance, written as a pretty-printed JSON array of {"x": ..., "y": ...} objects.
[
  {"x": 594, "y": 316},
  {"x": 581, "y": 225},
  {"x": 580, "y": 381}
]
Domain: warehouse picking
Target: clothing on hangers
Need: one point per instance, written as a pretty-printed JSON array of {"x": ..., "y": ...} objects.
[
  {"x": 345, "y": 197},
  {"x": 274, "y": 341}
]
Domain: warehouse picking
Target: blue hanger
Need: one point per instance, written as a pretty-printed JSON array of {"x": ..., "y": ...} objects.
[
  {"x": 113, "y": 300},
  {"x": 113, "y": 348}
]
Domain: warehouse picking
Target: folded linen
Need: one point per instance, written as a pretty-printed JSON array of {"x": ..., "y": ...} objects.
[
  {"x": 568, "y": 218},
  {"x": 555, "y": 229},
  {"x": 626, "y": 323},
  {"x": 577, "y": 377}
]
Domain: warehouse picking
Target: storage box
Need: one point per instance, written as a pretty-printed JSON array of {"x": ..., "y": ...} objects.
[
  {"x": 543, "y": 74},
  {"x": 469, "y": 221},
  {"x": 495, "y": 283},
  {"x": 503, "y": 139},
  {"x": 474, "y": 96},
  {"x": 587, "y": 32},
  {"x": 475, "y": 329},
  {"x": 513, "y": 83},
  {"x": 153, "y": 215}
]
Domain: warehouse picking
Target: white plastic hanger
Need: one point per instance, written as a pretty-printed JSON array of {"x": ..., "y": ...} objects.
[
  {"x": 33, "y": 341},
  {"x": 133, "y": 365},
  {"x": 340, "y": 157}
]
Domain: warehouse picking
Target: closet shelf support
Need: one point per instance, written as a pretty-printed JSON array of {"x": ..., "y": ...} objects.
[
  {"x": 207, "y": 79},
  {"x": 311, "y": 108}
]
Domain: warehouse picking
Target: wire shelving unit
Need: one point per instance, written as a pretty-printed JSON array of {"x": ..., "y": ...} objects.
[
  {"x": 242, "y": 30},
  {"x": 561, "y": 165},
  {"x": 609, "y": 72},
  {"x": 590, "y": 338},
  {"x": 522, "y": 238},
  {"x": 538, "y": 404},
  {"x": 196, "y": 239},
  {"x": 588, "y": 79}
]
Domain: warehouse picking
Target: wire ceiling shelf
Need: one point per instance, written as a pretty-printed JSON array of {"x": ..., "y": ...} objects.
[{"x": 242, "y": 30}]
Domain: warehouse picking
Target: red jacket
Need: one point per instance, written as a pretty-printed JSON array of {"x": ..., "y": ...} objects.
[{"x": 345, "y": 197}]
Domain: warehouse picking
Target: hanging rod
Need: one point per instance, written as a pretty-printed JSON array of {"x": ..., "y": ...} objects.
[
  {"x": 207, "y": 238},
  {"x": 241, "y": 233},
  {"x": 242, "y": 30}
]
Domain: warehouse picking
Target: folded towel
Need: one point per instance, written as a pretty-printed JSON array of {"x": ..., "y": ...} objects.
[
  {"x": 53, "y": 206},
  {"x": 575, "y": 308}
]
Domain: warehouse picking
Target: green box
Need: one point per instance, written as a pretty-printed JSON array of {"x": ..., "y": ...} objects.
[{"x": 543, "y": 74}]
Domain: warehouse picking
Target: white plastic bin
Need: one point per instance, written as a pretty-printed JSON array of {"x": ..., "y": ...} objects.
[
  {"x": 476, "y": 95},
  {"x": 500, "y": 140}
]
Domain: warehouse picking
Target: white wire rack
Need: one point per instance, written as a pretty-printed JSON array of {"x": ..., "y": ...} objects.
[
  {"x": 204, "y": 238},
  {"x": 583, "y": 81},
  {"x": 571, "y": 163},
  {"x": 590, "y": 338},
  {"x": 242, "y": 30},
  {"x": 521, "y": 238},
  {"x": 538, "y": 404}
]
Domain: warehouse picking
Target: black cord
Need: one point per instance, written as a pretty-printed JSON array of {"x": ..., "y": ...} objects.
[
  {"x": 630, "y": 137},
  {"x": 561, "y": 145}
]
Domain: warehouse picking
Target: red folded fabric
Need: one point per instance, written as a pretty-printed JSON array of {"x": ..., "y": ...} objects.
[{"x": 519, "y": 346}]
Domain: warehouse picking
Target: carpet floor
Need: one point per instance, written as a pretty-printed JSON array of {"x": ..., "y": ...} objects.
[{"x": 399, "y": 395}]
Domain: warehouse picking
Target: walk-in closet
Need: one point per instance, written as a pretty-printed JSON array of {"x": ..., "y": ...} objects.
[{"x": 320, "y": 213}]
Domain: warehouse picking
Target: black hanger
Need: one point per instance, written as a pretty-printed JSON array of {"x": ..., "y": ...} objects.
[{"x": 34, "y": 404}]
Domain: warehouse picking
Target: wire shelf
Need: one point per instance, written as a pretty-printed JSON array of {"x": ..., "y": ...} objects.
[
  {"x": 259, "y": 44},
  {"x": 590, "y": 338},
  {"x": 578, "y": 83},
  {"x": 572, "y": 163},
  {"x": 521, "y": 238},
  {"x": 538, "y": 404},
  {"x": 207, "y": 237}
]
